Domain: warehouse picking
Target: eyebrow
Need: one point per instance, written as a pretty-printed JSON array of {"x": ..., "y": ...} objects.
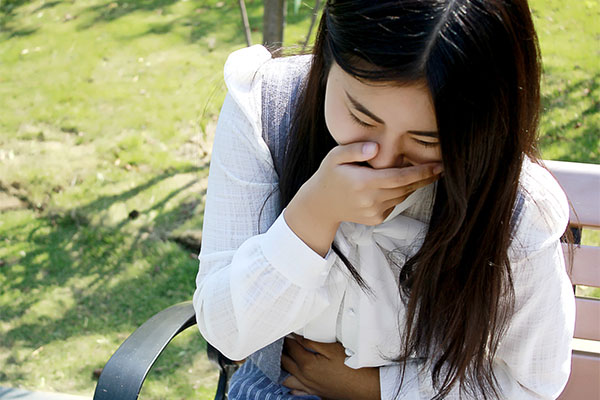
[{"x": 364, "y": 110}]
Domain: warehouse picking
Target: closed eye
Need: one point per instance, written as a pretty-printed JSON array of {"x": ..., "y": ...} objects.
[
  {"x": 425, "y": 143},
  {"x": 359, "y": 121}
]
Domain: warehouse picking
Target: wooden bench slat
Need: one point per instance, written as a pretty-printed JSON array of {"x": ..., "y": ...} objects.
[
  {"x": 586, "y": 265},
  {"x": 581, "y": 182},
  {"x": 583, "y": 382},
  {"x": 586, "y": 346},
  {"x": 587, "y": 320}
]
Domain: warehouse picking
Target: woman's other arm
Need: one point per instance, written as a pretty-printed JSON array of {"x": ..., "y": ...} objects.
[
  {"x": 318, "y": 368},
  {"x": 251, "y": 289}
]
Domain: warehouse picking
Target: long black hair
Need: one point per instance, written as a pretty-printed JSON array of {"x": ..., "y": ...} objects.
[{"x": 480, "y": 61}]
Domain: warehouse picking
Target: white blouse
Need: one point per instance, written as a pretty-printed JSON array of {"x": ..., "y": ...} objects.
[{"x": 253, "y": 289}]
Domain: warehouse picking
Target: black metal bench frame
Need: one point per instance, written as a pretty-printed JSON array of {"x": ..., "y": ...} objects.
[{"x": 123, "y": 375}]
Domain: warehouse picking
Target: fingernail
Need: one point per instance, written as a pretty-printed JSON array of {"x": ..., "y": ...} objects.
[
  {"x": 437, "y": 169},
  {"x": 369, "y": 148}
]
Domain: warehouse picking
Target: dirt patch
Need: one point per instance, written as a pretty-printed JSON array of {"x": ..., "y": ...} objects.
[
  {"x": 15, "y": 197},
  {"x": 190, "y": 240},
  {"x": 9, "y": 203}
]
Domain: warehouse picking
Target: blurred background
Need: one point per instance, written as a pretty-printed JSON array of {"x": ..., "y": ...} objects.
[{"x": 107, "y": 112}]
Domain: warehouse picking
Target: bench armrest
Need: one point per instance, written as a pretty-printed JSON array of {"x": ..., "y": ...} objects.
[{"x": 125, "y": 372}]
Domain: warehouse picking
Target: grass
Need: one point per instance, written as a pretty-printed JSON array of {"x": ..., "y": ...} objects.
[
  {"x": 570, "y": 44},
  {"x": 106, "y": 144}
]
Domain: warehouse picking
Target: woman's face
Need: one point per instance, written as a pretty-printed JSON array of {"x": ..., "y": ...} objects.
[{"x": 401, "y": 119}]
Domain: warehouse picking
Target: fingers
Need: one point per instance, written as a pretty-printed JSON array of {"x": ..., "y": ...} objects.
[
  {"x": 353, "y": 152},
  {"x": 329, "y": 350},
  {"x": 298, "y": 388},
  {"x": 300, "y": 393},
  {"x": 397, "y": 196},
  {"x": 297, "y": 379},
  {"x": 389, "y": 207},
  {"x": 401, "y": 177},
  {"x": 288, "y": 364},
  {"x": 407, "y": 189},
  {"x": 297, "y": 352}
]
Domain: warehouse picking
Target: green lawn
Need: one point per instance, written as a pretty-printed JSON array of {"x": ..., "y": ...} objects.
[
  {"x": 105, "y": 136},
  {"x": 570, "y": 42}
]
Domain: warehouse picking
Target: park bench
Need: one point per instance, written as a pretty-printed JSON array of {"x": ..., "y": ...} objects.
[
  {"x": 125, "y": 372},
  {"x": 581, "y": 182}
]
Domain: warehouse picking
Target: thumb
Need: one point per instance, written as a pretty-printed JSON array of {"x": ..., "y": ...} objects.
[{"x": 354, "y": 152}]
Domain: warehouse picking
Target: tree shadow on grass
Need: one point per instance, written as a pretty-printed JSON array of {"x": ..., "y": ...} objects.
[
  {"x": 210, "y": 18},
  {"x": 11, "y": 33},
  {"x": 7, "y": 7},
  {"x": 46, "y": 6},
  {"x": 112, "y": 278},
  {"x": 7, "y": 15},
  {"x": 207, "y": 20},
  {"x": 112, "y": 10},
  {"x": 578, "y": 136}
]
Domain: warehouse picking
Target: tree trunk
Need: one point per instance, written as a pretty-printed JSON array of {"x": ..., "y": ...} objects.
[
  {"x": 313, "y": 19},
  {"x": 245, "y": 22},
  {"x": 274, "y": 23}
]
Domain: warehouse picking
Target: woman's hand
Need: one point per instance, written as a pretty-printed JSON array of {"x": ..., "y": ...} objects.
[
  {"x": 347, "y": 191},
  {"x": 343, "y": 190},
  {"x": 319, "y": 369}
]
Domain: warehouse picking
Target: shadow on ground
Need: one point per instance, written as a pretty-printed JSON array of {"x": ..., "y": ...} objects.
[
  {"x": 207, "y": 18},
  {"x": 112, "y": 277},
  {"x": 578, "y": 135}
]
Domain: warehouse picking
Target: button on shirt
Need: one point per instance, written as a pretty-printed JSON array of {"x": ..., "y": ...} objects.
[{"x": 258, "y": 281}]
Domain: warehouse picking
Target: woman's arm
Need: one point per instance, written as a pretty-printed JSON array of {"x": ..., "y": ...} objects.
[
  {"x": 318, "y": 368},
  {"x": 254, "y": 289},
  {"x": 534, "y": 357},
  {"x": 251, "y": 289},
  {"x": 532, "y": 362}
]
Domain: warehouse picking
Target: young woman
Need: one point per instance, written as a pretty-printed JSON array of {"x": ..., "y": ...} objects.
[{"x": 380, "y": 205}]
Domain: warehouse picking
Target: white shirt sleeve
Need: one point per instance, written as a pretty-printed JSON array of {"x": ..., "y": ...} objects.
[
  {"x": 393, "y": 387},
  {"x": 251, "y": 288},
  {"x": 533, "y": 360}
]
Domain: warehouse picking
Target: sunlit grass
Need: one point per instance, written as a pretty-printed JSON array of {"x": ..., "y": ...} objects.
[{"x": 570, "y": 42}]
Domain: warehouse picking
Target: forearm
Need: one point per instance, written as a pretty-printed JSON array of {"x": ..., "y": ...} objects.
[
  {"x": 367, "y": 385},
  {"x": 304, "y": 218},
  {"x": 359, "y": 384},
  {"x": 274, "y": 284}
]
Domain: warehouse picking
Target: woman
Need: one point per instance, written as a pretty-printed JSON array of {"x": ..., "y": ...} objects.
[{"x": 328, "y": 215}]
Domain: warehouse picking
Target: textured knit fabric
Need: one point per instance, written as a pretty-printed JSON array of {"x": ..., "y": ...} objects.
[
  {"x": 279, "y": 94},
  {"x": 257, "y": 281}
]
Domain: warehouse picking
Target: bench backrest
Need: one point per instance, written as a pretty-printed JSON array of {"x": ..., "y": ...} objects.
[{"x": 581, "y": 183}]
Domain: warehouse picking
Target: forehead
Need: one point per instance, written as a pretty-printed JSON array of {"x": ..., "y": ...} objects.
[{"x": 395, "y": 104}]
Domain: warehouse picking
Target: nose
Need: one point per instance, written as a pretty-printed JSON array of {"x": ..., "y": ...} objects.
[{"x": 390, "y": 154}]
